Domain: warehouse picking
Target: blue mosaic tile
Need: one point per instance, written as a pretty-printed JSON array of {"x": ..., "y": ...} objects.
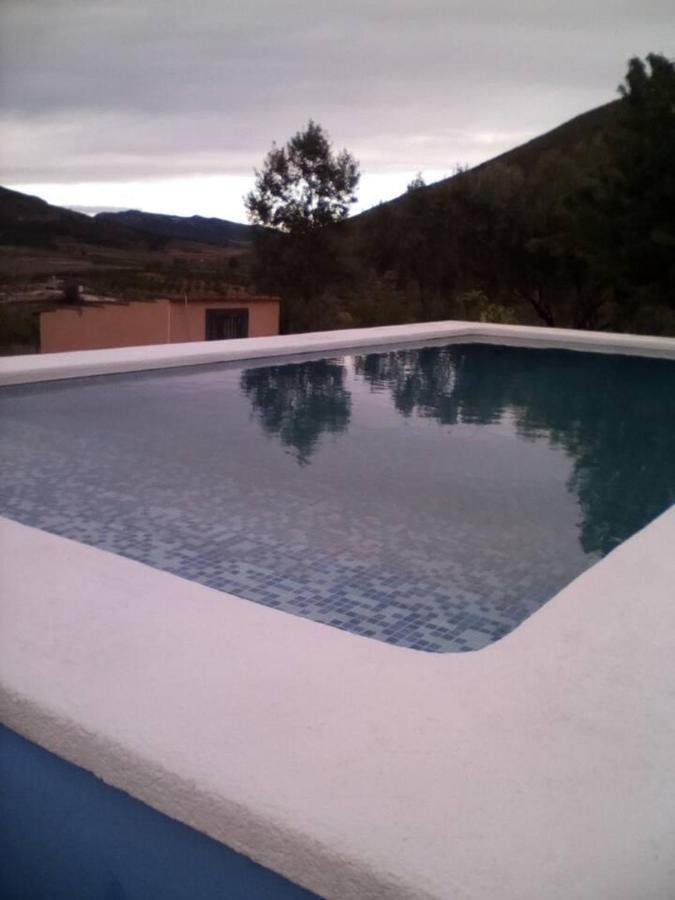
[{"x": 299, "y": 487}]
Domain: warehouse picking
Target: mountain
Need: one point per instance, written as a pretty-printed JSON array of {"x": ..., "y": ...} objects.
[
  {"x": 564, "y": 139},
  {"x": 32, "y": 222},
  {"x": 184, "y": 228},
  {"x": 494, "y": 240},
  {"x": 28, "y": 221},
  {"x": 127, "y": 256},
  {"x": 527, "y": 237}
]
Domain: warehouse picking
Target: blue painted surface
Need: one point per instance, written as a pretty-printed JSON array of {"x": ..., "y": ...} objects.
[
  {"x": 65, "y": 835},
  {"x": 429, "y": 498}
]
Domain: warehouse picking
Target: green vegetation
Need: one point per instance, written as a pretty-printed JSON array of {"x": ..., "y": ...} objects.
[
  {"x": 19, "y": 329},
  {"x": 574, "y": 229},
  {"x": 299, "y": 402},
  {"x": 123, "y": 256},
  {"x": 303, "y": 186},
  {"x": 302, "y": 191},
  {"x": 640, "y": 200}
]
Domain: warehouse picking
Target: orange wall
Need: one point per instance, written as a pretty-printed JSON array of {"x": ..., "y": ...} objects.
[
  {"x": 189, "y": 323},
  {"x": 138, "y": 323}
]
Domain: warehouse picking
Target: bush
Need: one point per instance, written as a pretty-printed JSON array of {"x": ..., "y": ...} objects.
[{"x": 19, "y": 330}]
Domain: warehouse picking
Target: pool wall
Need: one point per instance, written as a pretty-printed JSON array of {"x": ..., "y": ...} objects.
[
  {"x": 538, "y": 766},
  {"x": 67, "y": 835}
]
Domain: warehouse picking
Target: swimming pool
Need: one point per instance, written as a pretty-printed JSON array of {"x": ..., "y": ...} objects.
[
  {"x": 432, "y": 497},
  {"x": 353, "y": 767}
]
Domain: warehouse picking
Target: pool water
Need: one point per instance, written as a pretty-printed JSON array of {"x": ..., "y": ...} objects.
[{"x": 432, "y": 498}]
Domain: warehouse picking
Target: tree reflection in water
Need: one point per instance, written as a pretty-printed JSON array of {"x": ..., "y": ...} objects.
[
  {"x": 613, "y": 415},
  {"x": 299, "y": 402},
  {"x": 421, "y": 381}
]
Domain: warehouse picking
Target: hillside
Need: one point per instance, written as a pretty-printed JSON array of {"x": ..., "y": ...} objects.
[
  {"x": 185, "y": 228},
  {"x": 564, "y": 139},
  {"x": 504, "y": 239},
  {"x": 126, "y": 254},
  {"x": 572, "y": 229},
  {"x": 31, "y": 222},
  {"x": 44, "y": 248},
  {"x": 528, "y": 236}
]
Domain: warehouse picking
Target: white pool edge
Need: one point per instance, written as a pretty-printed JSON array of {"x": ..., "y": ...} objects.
[
  {"x": 79, "y": 364},
  {"x": 540, "y": 766}
]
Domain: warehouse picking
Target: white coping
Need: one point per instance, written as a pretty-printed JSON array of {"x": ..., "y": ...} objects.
[
  {"x": 81, "y": 363},
  {"x": 538, "y": 767}
]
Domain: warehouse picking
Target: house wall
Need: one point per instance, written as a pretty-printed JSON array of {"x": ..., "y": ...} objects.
[
  {"x": 188, "y": 322},
  {"x": 142, "y": 323}
]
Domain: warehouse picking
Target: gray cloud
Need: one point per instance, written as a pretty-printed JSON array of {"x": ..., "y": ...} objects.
[{"x": 98, "y": 90}]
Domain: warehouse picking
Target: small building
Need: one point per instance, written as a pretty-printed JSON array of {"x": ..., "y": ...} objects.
[{"x": 95, "y": 326}]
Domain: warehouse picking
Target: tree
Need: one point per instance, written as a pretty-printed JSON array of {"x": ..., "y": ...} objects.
[
  {"x": 71, "y": 290},
  {"x": 302, "y": 189},
  {"x": 304, "y": 186},
  {"x": 299, "y": 402},
  {"x": 644, "y": 200},
  {"x": 417, "y": 183}
]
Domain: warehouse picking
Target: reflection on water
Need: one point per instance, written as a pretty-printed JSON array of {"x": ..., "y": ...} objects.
[
  {"x": 299, "y": 402},
  {"x": 613, "y": 415},
  {"x": 421, "y": 381},
  {"x": 463, "y": 488}
]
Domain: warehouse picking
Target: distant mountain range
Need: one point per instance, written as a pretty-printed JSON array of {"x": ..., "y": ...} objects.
[
  {"x": 27, "y": 221},
  {"x": 31, "y": 222},
  {"x": 130, "y": 253},
  {"x": 183, "y": 228}
]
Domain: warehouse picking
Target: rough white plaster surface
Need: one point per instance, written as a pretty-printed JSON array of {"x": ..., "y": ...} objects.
[
  {"x": 538, "y": 767},
  {"x": 21, "y": 369}
]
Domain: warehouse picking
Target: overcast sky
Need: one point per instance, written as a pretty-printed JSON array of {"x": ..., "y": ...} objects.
[{"x": 168, "y": 105}]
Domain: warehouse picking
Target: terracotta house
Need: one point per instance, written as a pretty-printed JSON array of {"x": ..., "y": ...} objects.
[{"x": 95, "y": 326}]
